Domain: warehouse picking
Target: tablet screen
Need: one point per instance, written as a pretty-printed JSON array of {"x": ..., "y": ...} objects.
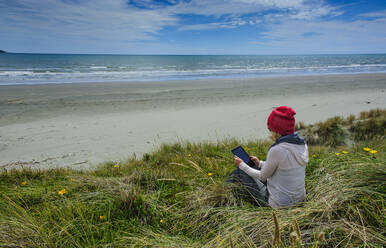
[{"x": 241, "y": 153}]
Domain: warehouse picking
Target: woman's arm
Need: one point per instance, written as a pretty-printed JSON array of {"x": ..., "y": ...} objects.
[{"x": 268, "y": 167}]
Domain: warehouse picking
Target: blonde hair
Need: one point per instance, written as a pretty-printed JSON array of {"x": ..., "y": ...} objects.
[{"x": 274, "y": 136}]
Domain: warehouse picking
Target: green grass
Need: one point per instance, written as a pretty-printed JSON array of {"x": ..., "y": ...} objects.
[
  {"x": 338, "y": 131},
  {"x": 167, "y": 199}
]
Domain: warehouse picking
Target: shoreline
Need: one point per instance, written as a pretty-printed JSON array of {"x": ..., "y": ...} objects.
[
  {"x": 179, "y": 80},
  {"x": 81, "y": 125}
]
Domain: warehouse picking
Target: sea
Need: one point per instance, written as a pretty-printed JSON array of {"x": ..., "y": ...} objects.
[{"x": 18, "y": 68}]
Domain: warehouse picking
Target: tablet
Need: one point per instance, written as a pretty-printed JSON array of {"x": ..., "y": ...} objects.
[{"x": 241, "y": 153}]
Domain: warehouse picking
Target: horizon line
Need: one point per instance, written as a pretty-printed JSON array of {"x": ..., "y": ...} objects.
[{"x": 187, "y": 54}]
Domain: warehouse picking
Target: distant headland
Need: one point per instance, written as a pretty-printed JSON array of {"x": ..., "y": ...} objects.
[{"x": 1, "y": 51}]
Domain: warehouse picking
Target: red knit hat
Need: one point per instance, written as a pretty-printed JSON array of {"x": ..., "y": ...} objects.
[{"x": 282, "y": 120}]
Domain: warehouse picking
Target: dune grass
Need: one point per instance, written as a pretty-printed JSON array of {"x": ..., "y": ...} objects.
[
  {"x": 176, "y": 197},
  {"x": 338, "y": 131}
]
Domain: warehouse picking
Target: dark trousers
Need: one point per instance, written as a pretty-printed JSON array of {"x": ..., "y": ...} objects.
[{"x": 252, "y": 190}]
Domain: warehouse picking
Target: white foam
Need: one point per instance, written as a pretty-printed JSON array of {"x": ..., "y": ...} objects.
[
  {"x": 100, "y": 74},
  {"x": 15, "y": 73},
  {"x": 98, "y": 67}
]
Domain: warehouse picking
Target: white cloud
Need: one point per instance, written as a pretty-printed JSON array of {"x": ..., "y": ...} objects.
[
  {"x": 115, "y": 19},
  {"x": 97, "y": 19},
  {"x": 375, "y": 14},
  {"x": 114, "y": 24},
  {"x": 332, "y": 36},
  {"x": 233, "y": 7},
  {"x": 295, "y": 9},
  {"x": 315, "y": 12},
  {"x": 214, "y": 25}
]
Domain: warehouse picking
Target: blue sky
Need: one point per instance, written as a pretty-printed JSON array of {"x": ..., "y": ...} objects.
[{"x": 193, "y": 26}]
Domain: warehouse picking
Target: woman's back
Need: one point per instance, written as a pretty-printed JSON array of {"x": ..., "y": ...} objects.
[{"x": 287, "y": 184}]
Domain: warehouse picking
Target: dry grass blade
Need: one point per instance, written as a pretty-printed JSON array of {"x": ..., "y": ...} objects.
[
  {"x": 179, "y": 164},
  {"x": 276, "y": 240},
  {"x": 195, "y": 166},
  {"x": 297, "y": 228}
]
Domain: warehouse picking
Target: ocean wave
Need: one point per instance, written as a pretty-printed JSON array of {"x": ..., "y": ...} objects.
[
  {"x": 151, "y": 73},
  {"x": 15, "y": 73},
  {"x": 98, "y": 67},
  {"x": 172, "y": 69}
]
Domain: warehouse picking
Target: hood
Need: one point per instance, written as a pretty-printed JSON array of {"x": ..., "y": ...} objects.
[{"x": 299, "y": 152}]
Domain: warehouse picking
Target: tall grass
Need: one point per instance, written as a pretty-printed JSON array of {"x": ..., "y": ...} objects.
[
  {"x": 338, "y": 131},
  {"x": 176, "y": 197}
]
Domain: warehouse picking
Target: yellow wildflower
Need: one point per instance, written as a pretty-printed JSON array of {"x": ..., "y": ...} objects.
[
  {"x": 24, "y": 183},
  {"x": 337, "y": 153},
  {"x": 62, "y": 192},
  {"x": 101, "y": 217},
  {"x": 210, "y": 174},
  {"x": 373, "y": 151},
  {"x": 366, "y": 149},
  {"x": 116, "y": 166},
  {"x": 344, "y": 152},
  {"x": 314, "y": 155},
  {"x": 161, "y": 221}
]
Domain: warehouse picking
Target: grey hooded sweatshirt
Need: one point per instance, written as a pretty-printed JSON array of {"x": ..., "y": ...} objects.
[{"x": 284, "y": 171}]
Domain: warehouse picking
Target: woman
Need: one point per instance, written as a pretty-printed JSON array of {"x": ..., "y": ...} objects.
[{"x": 283, "y": 172}]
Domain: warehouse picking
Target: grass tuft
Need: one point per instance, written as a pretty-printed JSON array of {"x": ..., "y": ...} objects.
[{"x": 339, "y": 131}]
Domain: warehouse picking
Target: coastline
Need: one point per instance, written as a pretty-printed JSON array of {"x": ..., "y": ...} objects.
[{"x": 81, "y": 125}]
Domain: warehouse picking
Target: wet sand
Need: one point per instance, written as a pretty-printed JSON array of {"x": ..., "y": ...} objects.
[{"x": 81, "y": 125}]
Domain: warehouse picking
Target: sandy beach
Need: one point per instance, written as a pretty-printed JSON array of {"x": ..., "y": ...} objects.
[{"x": 81, "y": 125}]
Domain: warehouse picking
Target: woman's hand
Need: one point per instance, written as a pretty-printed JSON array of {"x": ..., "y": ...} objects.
[
  {"x": 237, "y": 161},
  {"x": 255, "y": 160}
]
